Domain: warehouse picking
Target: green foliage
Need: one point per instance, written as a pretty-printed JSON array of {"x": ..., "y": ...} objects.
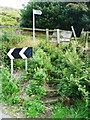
[
  {"x": 7, "y": 20},
  {"x": 57, "y": 15},
  {"x": 35, "y": 89},
  {"x": 40, "y": 75},
  {"x": 9, "y": 16},
  {"x": 9, "y": 10},
  {"x": 33, "y": 108},
  {"x": 9, "y": 39},
  {"x": 14, "y": 100},
  {"x": 63, "y": 66},
  {"x": 77, "y": 111},
  {"x": 10, "y": 88},
  {"x": 39, "y": 65},
  {"x": 42, "y": 59},
  {"x": 75, "y": 78},
  {"x": 0, "y": 24}
]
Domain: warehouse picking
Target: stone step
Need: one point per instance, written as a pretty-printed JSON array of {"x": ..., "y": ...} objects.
[
  {"x": 53, "y": 82},
  {"x": 51, "y": 92},
  {"x": 51, "y": 100}
]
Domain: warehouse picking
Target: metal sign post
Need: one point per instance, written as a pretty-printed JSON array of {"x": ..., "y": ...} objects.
[
  {"x": 11, "y": 66},
  {"x": 26, "y": 64},
  {"x": 33, "y": 25},
  {"x": 37, "y": 12}
]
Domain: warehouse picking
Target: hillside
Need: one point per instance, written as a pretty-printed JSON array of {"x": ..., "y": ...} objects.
[
  {"x": 9, "y": 16},
  {"x": 9, "y": 10}
]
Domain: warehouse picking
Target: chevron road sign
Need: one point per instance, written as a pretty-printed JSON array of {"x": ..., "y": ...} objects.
[{"x": 20, "y": 53}]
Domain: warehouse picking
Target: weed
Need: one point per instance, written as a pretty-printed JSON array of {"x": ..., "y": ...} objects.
[
  {"x": 10, "y": 88},
  {"x": 35, "y": 89},
  {"x": 77, "y": 111},
  {"x": 33, "y": 108}
]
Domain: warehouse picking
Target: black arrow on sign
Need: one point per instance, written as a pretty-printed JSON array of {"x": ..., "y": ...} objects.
[
  {"x": 15, "y": 53},
  {"x": 20, "y": 53}
]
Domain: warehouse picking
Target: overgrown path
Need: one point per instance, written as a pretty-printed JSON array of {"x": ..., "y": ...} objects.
[
  {"x": 27, "y": 42},
  {"x": 10, "y": 111}
]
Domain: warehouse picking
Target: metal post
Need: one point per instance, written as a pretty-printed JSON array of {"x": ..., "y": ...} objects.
[
  {"x": 33, "y": 25},
  {"x": 58, "y": 36},
  {"x": 26, "y": 64},
  {"x": 11, "y": 66}
]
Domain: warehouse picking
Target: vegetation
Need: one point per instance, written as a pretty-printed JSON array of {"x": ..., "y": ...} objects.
[
  {"x": 9, "y": 16},
  {"x": 57, "y": 15},
  {"x": 77, "y": 111},
  {"x": 9, "y": 39},
  {"x": 61, "y": 66},
  {"x": 10, "y": 88}
]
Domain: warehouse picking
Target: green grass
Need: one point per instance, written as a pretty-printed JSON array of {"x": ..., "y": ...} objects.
[
  {"x": 77, "y": 111},
  {"x": 9, "y": 16},
  {"x": 9, "y": 10}
]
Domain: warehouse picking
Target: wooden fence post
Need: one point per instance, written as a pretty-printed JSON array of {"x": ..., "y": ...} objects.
[
  {"x": 47, "y": 34},
  {"x": 87, "y": 36},
  {"x": 74, "y": 32},
  {"x": 58, "y": 36}
]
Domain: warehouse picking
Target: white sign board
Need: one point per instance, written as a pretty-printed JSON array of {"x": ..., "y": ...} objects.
[
  {"x": 37, "y": 12},
  {"x": 66, "y": 34}
]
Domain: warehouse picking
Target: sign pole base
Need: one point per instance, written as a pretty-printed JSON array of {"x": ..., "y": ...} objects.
[
  {"x": 11, "y": 67},
  {"x": 26, "y": 64}
]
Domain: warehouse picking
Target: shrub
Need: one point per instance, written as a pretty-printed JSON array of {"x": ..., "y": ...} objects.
[
  {"x": 65, "y": 66},
  {"x": 74, "y": 79},
  {"x": 10, "y": 88},
  {"x": 40, "y": 76},
  {"x": 8, "y": 40},
  {"x": 42, "y": 59},
  {"x": 33, "y": 108},
  {"x": 35, "y": 89},
  {"x": 77, "y": 111},
  {"x": 11, "y": 37}
]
